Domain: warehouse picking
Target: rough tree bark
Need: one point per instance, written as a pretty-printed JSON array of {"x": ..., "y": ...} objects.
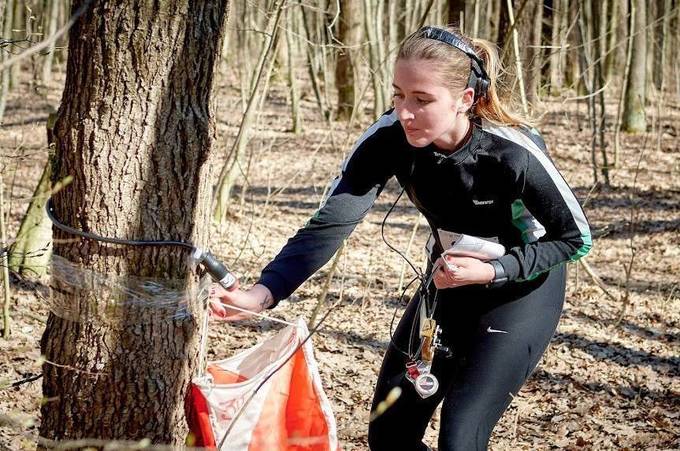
[{"x": 135, "y": 129}]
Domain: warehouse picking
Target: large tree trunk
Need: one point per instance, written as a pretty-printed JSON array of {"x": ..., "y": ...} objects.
[
  {"x": 135, "y": 130},
  {"x": 634, "y": 119}
]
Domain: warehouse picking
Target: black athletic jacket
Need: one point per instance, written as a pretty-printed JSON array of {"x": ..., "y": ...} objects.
[{"x": 500, "y": 184}]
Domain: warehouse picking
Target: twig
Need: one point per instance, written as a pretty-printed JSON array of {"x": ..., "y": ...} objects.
[
  {"x": 223, "y": 187},
  {"x": 633, "y": 223},
  {"x": 518, "y": 61},
  {"x": 587, "y": 96},
  {"x": 33, "y": 316},
  {"x": 321, "y": 300},
  {"x": 408, "y": 249},
  {"x": 599, "y": 282},
  {"x": 5, "y": 265}
]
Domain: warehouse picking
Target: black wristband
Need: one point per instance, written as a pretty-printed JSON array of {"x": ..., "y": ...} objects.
[{"x": 500, "y": 278}]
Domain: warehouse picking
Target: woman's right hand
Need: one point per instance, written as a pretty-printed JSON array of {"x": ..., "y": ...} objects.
[{"x": 256, "y": 299}]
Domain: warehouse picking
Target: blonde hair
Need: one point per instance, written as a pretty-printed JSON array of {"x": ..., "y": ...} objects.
[{"x": 454, "y": 70}]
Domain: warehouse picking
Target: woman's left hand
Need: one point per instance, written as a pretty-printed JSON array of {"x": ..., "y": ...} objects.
[{"x": 461, "y": 271}]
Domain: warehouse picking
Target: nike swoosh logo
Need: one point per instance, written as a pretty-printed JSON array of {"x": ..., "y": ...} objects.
[{"x": 495, "y": 331}]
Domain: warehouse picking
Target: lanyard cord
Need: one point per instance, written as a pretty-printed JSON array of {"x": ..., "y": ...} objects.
[{"x": 424, "y": 288}]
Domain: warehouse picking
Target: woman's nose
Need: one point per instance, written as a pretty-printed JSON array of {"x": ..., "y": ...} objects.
[{"x": 404, "y": 113}]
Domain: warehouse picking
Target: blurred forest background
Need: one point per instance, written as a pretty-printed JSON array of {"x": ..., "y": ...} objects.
[{"x": 237, "y": 115}]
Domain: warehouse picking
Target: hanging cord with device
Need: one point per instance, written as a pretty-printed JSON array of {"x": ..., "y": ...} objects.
[
  {"x": 424, "y": 288},
  {"x": 419, "y": 363}
]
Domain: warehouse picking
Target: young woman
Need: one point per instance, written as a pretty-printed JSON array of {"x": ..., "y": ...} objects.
[{"x": 471, "y": 167}]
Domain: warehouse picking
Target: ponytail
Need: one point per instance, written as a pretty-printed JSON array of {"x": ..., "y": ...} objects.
[{"x": 491, "y": 107}]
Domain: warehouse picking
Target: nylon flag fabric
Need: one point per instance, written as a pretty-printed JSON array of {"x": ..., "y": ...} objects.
[{"x": 289, "y": 412}]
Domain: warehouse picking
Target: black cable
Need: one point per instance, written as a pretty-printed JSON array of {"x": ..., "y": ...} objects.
[
  {"x": 20, "y": 382},
  {"x": 49, "y": 207},
  {"x": 394, "y": 316},
  {"x": 217, "y": 270},
  {"x": 382, "y": 233},
  {"x": 424, "y": 288}
]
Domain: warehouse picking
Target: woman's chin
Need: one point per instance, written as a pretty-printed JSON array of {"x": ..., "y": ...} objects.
[{"x": 417, "y": 142}]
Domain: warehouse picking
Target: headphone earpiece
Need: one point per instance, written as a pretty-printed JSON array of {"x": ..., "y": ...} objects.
[{"x": 479, "y": 80}]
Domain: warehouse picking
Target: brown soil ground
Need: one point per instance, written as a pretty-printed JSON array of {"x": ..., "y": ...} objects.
[{"x": 601, "y": 384}]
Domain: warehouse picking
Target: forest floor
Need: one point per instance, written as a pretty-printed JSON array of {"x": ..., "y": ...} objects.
[{"x": 603, "y": 383}]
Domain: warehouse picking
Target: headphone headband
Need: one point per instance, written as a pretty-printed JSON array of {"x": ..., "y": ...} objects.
[{"x": 479, "y": 79}]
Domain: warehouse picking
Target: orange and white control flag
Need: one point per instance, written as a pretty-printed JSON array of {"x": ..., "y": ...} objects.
[{"x": 289, "y": 412}]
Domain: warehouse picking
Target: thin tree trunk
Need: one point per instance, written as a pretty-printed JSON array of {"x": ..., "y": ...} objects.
[
  {"x": 312, "y": 66},
  {"x": 6, "y": 74},
  {"x": 292, "y": 78},
  {"x": 598, "y": 88},
  {"x": 585, "y": 28},
  {"x": 485, "y": 19},
  {"x": 51, "y": 15},
  {"x": 665, "y": 45},
  {"x": 136, "y": 136},
  {"x": 349, "y": 34},
  {"x": 650, "y": 63},
  {"x": 617, "y": 58},
  {"x": 32, "y": 249},
  {"x": 611, "y": 38},
  {"x": 572, "y": 67},
  {"x": 4, "y": 267},
  {"x": 236, "y": 156},
  {"x": 600, "y": 16},
  {"x": 622, "y": 94},
  {"x": 370, "y": 11},
  {"x": 456, "y": 10},
  {"x": 634, "y": 118},
  {"x": 556, "y": 50},
  {"x": 661, "y": 32},
  {"x": 17, "y": 25},
  {"x": 475, "y": 20},
  {"x": 534, "y": 54},
  {"x": 518, "y": 60},
  {"x": 676, "y": 63}
]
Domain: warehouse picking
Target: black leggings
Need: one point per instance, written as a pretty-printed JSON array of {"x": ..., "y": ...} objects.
[{"x": 496, "y": 335}]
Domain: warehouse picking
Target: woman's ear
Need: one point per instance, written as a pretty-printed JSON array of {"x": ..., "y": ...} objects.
[{"x": 467, "y": 100}]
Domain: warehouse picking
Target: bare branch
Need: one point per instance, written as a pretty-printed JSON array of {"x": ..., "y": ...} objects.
[{"x": 47, "y": 42}]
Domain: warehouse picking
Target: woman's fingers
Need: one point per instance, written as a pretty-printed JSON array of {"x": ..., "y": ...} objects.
[
  {"x": 445, "y": 275},
  {"x": 234, "y": 305}
]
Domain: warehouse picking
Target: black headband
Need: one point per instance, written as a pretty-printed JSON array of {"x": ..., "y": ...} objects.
[{"x": 479, "y": 79}]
